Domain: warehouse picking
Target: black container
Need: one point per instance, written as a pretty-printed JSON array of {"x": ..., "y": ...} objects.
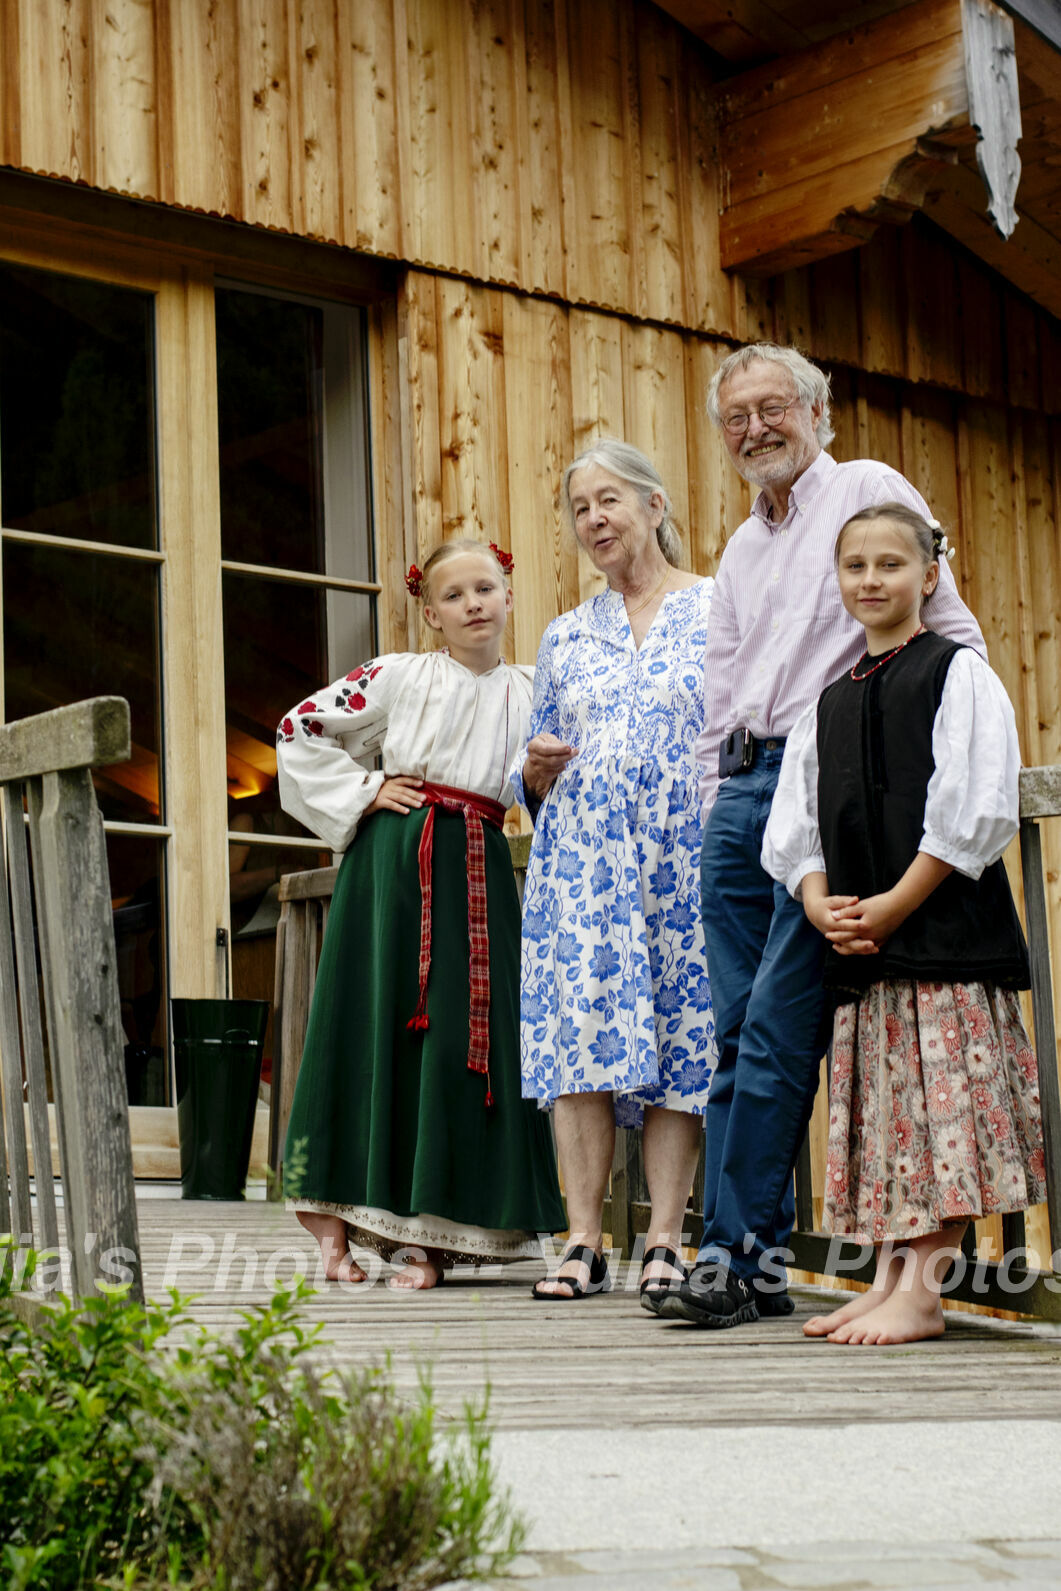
[{"x": 218, "y": 1053}]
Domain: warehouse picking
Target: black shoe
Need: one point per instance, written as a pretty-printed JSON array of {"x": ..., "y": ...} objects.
[
  {"x": 712, "y": 1295},
  {"x": 772, "y": 1306}
]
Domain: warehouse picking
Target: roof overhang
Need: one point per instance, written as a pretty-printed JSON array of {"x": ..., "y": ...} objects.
[{"x": 952, "y": 107}]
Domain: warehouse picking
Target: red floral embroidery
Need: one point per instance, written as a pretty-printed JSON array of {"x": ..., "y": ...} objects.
[
  {"x": 286, "y": 732},
  {"x": 313, "y": 726},
  {"x": 356, "y": 673},
  {"x": 356, "y": 702},
  {"x": 307, "y": 707}
]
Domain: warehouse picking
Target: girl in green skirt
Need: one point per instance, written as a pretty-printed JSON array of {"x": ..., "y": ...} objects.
[{"x": 408, "y": 1134}]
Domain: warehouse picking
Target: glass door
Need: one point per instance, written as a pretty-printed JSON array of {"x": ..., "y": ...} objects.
[{"x": 81, "y": 584}]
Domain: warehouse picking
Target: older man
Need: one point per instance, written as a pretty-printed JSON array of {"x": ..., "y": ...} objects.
[{"x": 777, "y": 635}]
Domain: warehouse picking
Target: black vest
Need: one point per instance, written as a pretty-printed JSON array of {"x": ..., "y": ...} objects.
[{"x": 875, "y": 763}]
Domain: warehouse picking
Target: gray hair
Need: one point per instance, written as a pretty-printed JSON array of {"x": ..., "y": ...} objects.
[
  {"x": 812, "y": 384},
  {"x": 629, "y": 464}
]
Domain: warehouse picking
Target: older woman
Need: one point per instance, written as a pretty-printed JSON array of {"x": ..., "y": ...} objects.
[{"x": 616, "y": 1013}]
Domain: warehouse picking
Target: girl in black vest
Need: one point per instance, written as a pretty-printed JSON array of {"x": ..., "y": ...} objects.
[{"x": 897, "y": 797}]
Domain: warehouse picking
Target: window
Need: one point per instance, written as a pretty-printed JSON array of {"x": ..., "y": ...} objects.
[
  {"x": 298, "y": 568},
  {"x": 81, "y": 582}
]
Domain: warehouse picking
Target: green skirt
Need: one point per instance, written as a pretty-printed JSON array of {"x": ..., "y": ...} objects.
[{"x": 392, "y": 1122}]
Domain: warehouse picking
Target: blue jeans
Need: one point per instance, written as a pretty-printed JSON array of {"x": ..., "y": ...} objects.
[{"x": 764, "y": 960}]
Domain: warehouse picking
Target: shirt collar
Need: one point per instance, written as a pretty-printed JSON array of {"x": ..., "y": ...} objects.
[{"x": 803, "y": 492}]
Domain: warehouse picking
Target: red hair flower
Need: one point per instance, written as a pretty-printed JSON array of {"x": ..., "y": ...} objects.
[
  {"x": 414, "y": 581},
  {"x": 505, "y": 559}
]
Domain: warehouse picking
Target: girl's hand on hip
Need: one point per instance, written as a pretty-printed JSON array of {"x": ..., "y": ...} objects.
[
  {"x": 400, "y": 794},
  {"x": 546, "y": 758}
]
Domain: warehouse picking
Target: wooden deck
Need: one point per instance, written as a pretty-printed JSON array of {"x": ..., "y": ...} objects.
[{"x": 601, "y": 1362}]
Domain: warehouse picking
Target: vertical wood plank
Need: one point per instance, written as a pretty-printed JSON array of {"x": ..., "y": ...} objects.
[
  {"x": 1023, "y": 385},
  {"x": 598, "y": 233},
  {"x": 264, "y": 82},
  {"x": 494, "y": 45},
  {"x": 708, "y": 291},
  {"x": 654, "y": 405},
  {"x": 538, "y": 446},
  {"x": 14, "y": 1116},
  {"x": 980, "y": 303},
  {"x": 597, "y": 403},
  {"x": 718, "y": 498},
  {"x": 930, "y": 460},
  {"x": 422, "y": 348},
  {"x": 933, "y": 341},
  {"x": 196, "y": 785},
  {"x": 834, "y": 297},
  {"x": 29, "y": 1007},
  {"x": 388, "y": 383},
  {"x": 86, "y": 1042},
  {"x": 472, "y": 424},
  {"x": 10, "y": 87},
  {"x": 882, "y": 311},
  {"x": 202, "y": 132},
  {"x": 367, "y": 83},
  {"x": 124, "y": 102},
  {"x": 57, "y": 134},
  {"x": 542, "y": 85},
  {"x": 658, "y": 220},
  {"x": 319, "y": 186}
]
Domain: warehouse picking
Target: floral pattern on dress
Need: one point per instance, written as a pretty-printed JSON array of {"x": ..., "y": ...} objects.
[
  {"x": 933, "y": 1110},
  {"x": 614, "y": 978}
]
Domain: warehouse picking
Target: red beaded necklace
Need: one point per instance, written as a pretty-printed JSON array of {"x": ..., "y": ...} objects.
[{"x": 858, "y": 678}]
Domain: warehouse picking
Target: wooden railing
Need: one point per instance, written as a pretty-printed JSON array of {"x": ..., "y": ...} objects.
[
  {"x": 45, "y": 777},
  {"x": 1013, "y": 1286}
]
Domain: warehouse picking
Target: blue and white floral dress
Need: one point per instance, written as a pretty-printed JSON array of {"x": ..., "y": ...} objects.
[{"x": 614, "y": 977}]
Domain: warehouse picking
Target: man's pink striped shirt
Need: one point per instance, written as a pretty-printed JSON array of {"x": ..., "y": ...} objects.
[{"x": 778, "y": 633}]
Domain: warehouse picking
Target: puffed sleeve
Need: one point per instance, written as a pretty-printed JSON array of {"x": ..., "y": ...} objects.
[
  {"x": 792, "y": 845},
  {"x": 973, "y": 801},
  {"x": 545, "y": 718},
  {"x": 320, "y": 782}
]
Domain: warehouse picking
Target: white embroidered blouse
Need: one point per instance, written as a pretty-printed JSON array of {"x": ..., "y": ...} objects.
[
  {"x": 973, "y": 800},
  {"x": 424, "y": 714}
]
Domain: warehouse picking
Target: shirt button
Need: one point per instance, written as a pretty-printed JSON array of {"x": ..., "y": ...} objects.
[
  {"x": 776, "y": 624},
  {"x": 777, "y": 574}
]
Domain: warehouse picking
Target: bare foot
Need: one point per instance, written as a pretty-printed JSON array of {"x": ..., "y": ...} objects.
[
  {"x": 342, "y": 1268},
  {"x": 902, "y": 1317},
  {"x": 334, "y": 1240},
  {"x": 861, "y": 1304},
  {"x": 415, "y": 1276}
]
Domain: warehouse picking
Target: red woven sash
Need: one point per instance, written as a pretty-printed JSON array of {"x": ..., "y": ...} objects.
[{"x": 475, "y": 808}]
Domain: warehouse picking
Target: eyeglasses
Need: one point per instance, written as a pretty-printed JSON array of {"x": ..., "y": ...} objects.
[{"x": 770, "y": 414}]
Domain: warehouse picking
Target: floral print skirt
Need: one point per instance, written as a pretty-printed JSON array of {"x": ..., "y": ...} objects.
[{"x": 933, "y": 1110}]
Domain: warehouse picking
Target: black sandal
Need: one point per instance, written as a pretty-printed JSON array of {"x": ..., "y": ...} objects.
[
  {"x": 653, "y": 1294},
  {"x": 599, "y": 1279}
]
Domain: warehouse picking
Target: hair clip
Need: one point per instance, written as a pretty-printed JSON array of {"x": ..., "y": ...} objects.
[
  {"x": 414, "y": 581},
  {"x": 505, "y": 559},
  {"x": 940, "y": 544}
]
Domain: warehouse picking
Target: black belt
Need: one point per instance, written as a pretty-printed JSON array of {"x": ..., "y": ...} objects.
[{"x": 741, "y": 750}]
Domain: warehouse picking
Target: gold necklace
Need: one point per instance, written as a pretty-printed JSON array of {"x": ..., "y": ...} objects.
[{"x": 630, "y": 612}]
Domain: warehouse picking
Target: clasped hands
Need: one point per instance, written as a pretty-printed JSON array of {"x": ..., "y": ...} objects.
[{"x": 854, "y": 927}]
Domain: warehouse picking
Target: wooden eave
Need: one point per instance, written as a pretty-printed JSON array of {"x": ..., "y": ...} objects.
[{"x": 920, "y": 110}]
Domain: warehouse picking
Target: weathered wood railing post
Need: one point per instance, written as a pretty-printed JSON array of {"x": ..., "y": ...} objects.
[{"x": 48, "y": 758}]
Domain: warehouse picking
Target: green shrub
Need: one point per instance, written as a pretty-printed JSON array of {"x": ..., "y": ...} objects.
[{"x": 139, "y": 1451}]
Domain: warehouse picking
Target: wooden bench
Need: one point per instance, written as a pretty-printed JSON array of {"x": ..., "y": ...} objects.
[{"x": 45, "y": 764}]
